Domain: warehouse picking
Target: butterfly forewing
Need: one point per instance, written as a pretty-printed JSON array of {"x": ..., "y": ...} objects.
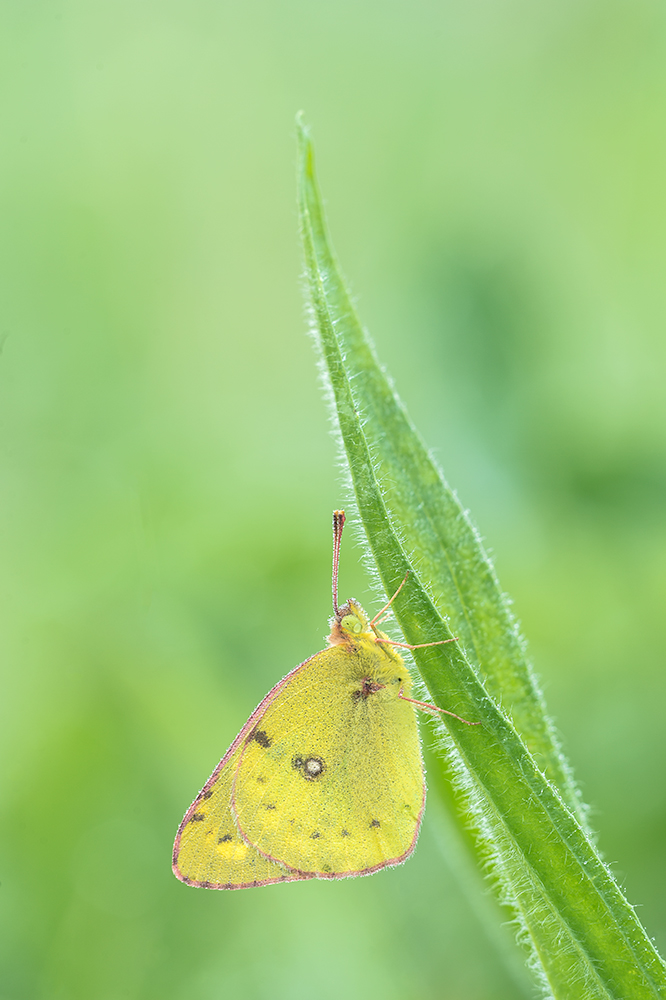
[
  {"x": 209, "y": 851},
  {"x": 330, "y": 780}
]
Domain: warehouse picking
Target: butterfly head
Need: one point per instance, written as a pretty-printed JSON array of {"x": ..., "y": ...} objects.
[{"x": 349, "y": 623}]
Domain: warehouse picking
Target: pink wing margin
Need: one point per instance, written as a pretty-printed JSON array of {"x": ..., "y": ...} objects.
[{"x": 288, "y": 876}]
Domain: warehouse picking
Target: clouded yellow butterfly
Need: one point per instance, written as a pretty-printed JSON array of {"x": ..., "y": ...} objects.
[{"x": 325, "y": 779}]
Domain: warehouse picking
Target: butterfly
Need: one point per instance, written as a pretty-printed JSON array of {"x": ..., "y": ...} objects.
[{"x": 325, "y": 779}]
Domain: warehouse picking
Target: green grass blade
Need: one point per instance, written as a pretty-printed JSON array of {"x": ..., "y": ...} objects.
[
  {"x": 584, "y": 936},
  {"x": 435, "y": 529}
]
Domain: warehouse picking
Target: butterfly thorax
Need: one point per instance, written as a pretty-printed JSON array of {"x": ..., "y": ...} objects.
[{"x": 378, "y": 666}]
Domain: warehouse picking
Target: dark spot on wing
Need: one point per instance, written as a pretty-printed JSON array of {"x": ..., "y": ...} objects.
[
  {"x": 207, "y": 794},
  {"x": 315, "y": 835},
  {"x": 260, "y": 737},
  {"x": 269, "y": 805},
  {"x": 197, "y": 817},
  {"x": 345, "y": 833},
  {"x": 206, "y": 885},
  {"x": 225, "y": 839},
  {"x": 261, "y": 779},
  {"x": 375, "y": 822},
  {"x": 368, "y": 687}
]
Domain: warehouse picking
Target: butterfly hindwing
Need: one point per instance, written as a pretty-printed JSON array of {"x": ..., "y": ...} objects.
[{"x": 329, "y": 779}]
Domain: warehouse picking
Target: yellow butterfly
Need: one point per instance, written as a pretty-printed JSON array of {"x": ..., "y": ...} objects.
[{"x": 325, "y": 779}]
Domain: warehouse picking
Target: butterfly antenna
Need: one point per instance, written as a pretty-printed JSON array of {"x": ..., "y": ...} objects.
[{"x": 338, "y": 525}]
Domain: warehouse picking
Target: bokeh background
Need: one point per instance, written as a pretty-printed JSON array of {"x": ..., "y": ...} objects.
[{"x": 495, "y": 181}]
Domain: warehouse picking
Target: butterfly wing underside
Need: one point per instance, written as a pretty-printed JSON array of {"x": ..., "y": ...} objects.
[
  {"x": 330, "y": 782},
  {"x": 209, "y": 851}
]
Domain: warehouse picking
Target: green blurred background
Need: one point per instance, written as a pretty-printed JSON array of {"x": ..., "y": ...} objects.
[{"x": 495, "y": 182}]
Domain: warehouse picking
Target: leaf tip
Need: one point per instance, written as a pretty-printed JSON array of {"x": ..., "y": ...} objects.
[{"x": 301, "y": 124}]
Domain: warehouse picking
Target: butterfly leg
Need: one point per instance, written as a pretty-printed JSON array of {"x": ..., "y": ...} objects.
[
  {"x": 388, "y": 605},
  {"x": 419, "y": 645},
  {"x": 425, "y": 707}
]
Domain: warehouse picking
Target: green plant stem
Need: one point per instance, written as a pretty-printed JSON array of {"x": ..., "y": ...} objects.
[{"x": 586, "y": 940}]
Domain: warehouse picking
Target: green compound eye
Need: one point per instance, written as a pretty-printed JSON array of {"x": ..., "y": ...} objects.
[{"x": 350, "y": 623}]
